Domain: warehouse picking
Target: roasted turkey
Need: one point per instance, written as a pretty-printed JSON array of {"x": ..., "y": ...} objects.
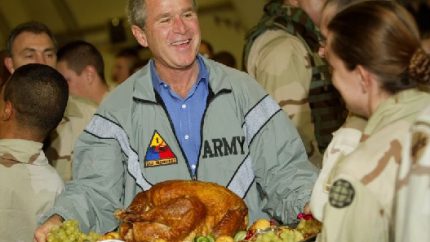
[{"x": 179, "y": 210}]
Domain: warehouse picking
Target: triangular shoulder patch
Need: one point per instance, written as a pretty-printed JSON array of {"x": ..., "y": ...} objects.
[{"x": 159, "y": 152}]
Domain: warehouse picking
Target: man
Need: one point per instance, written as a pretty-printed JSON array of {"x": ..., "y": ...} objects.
[
  {"x": 82, "y": 65},
  {"x": 125, "y": 62},
  {"x": 176, "y": 102},
  {"x": 28, "y": 184},
  {"x": 33, "y": 42},
  {"x": 281, "y": 53}
]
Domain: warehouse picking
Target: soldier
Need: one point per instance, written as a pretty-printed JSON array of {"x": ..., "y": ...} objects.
[
  {"x": 346, "y": 138},
  {"x": 82, "y": 65},
  {"x": 282, "y": 54},
  {"x": 379, "y": 78},
  {"x": 33, "y": 42},
  {"x": 125, "y": 61},
  {"x": 412, "y": 218},
  {"x": 28, "y": 184}
]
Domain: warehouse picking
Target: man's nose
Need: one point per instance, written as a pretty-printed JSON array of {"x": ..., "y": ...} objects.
[
  {"x": 179, "y": 25},
  {"x": 40, "y": 58}
]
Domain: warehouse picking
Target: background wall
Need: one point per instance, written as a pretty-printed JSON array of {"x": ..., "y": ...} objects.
[{"x": 223, "y": 23}]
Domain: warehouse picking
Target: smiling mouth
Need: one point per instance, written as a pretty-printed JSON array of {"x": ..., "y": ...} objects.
[{"x": 181, "y": 42}]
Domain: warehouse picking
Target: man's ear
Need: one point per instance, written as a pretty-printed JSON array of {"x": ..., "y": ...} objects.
[
  {"x": 8, "y": 62},
  {"x": 90, "y": 73},
  {"x": 7, "y": 111},
  {"x": 140, "y": 35}
]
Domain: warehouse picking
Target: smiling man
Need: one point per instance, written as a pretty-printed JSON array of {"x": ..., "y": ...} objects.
[{"x": 183, "y": 116}]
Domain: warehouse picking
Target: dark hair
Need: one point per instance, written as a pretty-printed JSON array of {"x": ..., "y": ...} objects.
[
  {"x": 4, "y": 72},
  {"x": 32, "y": 27},
  {"x": 39, "y": 95},
  {"x": 79, "y": 54},
  {"x": 209, "y": 45},
  {"x": 131, "y": 54},
  {"x": 225, "y": 58},
  {"x": 382, "y": 37}
]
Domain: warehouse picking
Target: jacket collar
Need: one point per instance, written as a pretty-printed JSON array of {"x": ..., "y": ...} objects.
[{"x": 143, "y": 88}]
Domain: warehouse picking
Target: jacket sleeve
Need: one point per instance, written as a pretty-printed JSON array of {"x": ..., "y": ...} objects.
[
  {"x": 97, "y": 188},
  {"x": 282, "y": 170}
]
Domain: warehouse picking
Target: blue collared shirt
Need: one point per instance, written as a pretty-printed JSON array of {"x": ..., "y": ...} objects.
[{"x": 186, "y": 113}]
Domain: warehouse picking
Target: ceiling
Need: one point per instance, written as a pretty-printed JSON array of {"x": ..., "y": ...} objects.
[{"x": 71, "y": 19}]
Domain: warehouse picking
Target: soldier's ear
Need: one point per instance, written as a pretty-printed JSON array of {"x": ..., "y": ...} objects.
[
  {"x": 7, "y": 111},
  {"x": 8, "y": 62},
  {"x": 364, "y": 78}
]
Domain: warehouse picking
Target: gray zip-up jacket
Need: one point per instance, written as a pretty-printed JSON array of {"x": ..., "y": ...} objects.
[{"x": 248, "y": 145}]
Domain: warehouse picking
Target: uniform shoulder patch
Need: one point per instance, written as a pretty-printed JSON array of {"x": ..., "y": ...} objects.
[
  {"x": 341, "y": 194},
  {"x": 159, "y": 153}
]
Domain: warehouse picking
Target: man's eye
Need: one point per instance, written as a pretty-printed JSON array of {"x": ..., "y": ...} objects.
[
  {"x": 165, "y": 20},
  {"x": 189, "y": 14}
]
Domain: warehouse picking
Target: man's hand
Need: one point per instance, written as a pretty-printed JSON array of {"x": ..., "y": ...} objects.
[{"x": 41, "y": 233}]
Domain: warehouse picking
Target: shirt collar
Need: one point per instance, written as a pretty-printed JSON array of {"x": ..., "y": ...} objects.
[{"x": 203, "y": 75}]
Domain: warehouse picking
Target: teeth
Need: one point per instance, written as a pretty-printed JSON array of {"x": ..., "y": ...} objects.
[{"x": 180, "y": 42}]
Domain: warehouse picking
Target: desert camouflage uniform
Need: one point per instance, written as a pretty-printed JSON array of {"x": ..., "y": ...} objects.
[
  {"x": 281, "y": 54},
  {"x": 62, "y": 140},
  {"x": 344, "y": 141},
  {"x": 413, "y": 197},
  {"x": 28, "y": 188},
  {"x": 362, "y": 193}
]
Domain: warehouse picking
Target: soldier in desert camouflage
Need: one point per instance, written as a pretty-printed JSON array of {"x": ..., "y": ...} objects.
[
  {"x": 379, "y": 77},
  {"x": 33, "y": 42},
  {"x": 282, "y": 54},
  {"x": 28, "y": 184},
  {"x": 413, "y": 185}
]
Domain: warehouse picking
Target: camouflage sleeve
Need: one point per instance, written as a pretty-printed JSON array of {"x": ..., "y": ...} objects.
[
  {"x": 412, "y": 218},
  {"x": 352, "y": 213}
]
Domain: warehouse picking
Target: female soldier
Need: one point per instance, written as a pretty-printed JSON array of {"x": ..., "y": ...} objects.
[
  {"x": 347, "y": 137},
  {"x": 378, "y": 67}
]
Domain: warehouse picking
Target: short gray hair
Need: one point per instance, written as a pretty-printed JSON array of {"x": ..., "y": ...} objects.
[{"x": 136, "y": 12}]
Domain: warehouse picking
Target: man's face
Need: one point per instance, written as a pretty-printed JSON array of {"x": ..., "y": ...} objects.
[
  {"x": 171, "y": 32},
  {"x": 121, "y": 69},
  {"x": 77, "y": 83},
  {"x": 312, "y": 8},
  {"x": 31, "y": 48}
]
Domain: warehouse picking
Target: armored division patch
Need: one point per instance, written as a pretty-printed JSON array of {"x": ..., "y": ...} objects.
[
  {"x": 341, "y": 194},
  {"x": 159, "y": 153}
]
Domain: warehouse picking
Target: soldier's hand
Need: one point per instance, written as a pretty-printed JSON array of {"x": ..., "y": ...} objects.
[
  {"x": 41, "y": 233},
  {"x": 307, "y": 209}
]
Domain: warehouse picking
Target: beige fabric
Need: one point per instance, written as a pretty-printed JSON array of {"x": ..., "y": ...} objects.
[
  {"x": 371, "y": 170},
  {"x": 62, "y": 140},
  {"x": 344, "y": 141},
  {"x": 28, "y": 187},
  {"x": 413, "y": 195},
  {"x": 280, "y": 63}
]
